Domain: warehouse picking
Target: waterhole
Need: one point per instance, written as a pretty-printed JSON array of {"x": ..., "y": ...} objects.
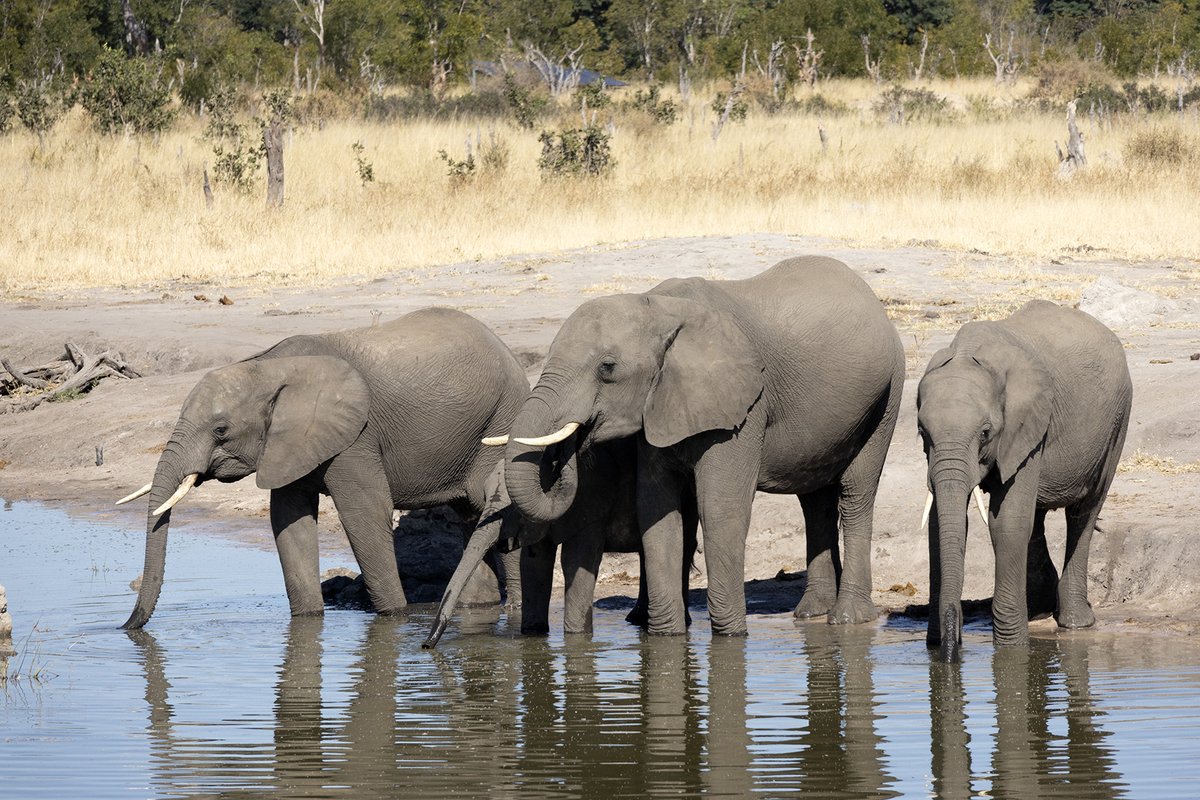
[{"x": 224, "y": 696}]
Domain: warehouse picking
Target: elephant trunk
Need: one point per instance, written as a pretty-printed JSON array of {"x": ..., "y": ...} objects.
[
  {"x": 168, "y": 476},
  {"x": 542, "y": 481},
  {"x": 952, "y": 490},
  {"x": 485, "y": 535}
]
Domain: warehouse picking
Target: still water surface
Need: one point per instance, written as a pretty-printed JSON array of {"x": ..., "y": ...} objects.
[{"x": 224, "y": 696}]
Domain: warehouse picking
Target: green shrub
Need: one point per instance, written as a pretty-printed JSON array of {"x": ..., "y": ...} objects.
[
  {"x": 366, "y": 170},
  {"x": 125, "y": 94},
  {"x": 576, "y": 151},
  {"x": 38, "y": 106},
  {"x": 526, "y": 106},
  {"x": 903, "y": 105},
  {"x": 650, "y": 102},
  {"x": 592, "y": 96},
  {"x": 822, "y": 106},
  {"x": 236, "y": 151},
  {"x": 1148, "y": 98},
  {"x": 737, "y": 112},
  {"x": 458, "y": 171},
  {"x": 7, "y": 112}
]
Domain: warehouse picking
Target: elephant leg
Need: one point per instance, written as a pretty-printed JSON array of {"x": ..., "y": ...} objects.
[
  {"x": 691, "y": 526},
  {"x": 856, "y": 511},
  {"x": 294, "y": 522},
  {"x": 726, "y": 479},
  {"x": 1011, "y": 520},
  {"x": 640, "y": 613},
  {"x": 1074, "y": 610},
  {"x": 659, "y": 494},
  {"x": 823, "y": 559},
  {"x": 510, "y": 562},
  {"x": 1041, "y": 578},
  {"x": 537, "y": 580},
  {"x": 364, "y": 503},
  {"x": 581, "y": 556}
]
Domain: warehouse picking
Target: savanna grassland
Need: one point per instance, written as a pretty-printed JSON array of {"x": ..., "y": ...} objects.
[{"x": 971, "y": 167}]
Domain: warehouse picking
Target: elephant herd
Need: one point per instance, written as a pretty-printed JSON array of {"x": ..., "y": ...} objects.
[{"x": 656, "y": 415}]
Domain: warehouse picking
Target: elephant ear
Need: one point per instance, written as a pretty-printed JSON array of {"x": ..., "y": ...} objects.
[
  {"x": 1027, "y": 405},
  {"x": 711, "y": 376},
  {"x": 320, "y": 408},
  {"x": 940, "y": 359}
]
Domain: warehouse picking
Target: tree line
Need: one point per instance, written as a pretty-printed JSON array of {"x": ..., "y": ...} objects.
[{"x": 192, "y": 47}]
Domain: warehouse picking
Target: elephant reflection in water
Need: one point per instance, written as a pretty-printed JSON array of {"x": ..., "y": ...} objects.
[
  {"x": 1028, "y": 760},
  {"x": 389, "y": 736}
]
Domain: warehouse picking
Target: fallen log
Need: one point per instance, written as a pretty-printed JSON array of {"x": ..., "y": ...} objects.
[{"x": 76, "y": 371}]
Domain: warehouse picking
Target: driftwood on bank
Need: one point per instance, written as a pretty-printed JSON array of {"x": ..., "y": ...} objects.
[{"x": 77, "y": 371}]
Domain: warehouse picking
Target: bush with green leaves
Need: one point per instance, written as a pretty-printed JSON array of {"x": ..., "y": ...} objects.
[
  {"x": 123, "y": 94},
  {"x": 737, "y": 112},
  {"x": 236, "y": 152},
  {"x": 366, "y": 170},
  {"x": 902, "y": 105},
  {"x": 576, "y": 152},
  {"x": 7, "y": 112},
  {"x": 650, "y": 102},
  {"x": 821, "y": 106},
  {"x": 592, "y": 95},
  {"x": 458, "y": 170},
  {"x": 526, "y": 105},
  {"x": 38, "y": 106}
]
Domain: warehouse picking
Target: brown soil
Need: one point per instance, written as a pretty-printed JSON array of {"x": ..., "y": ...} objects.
[{"x": 1145, "y": 568}]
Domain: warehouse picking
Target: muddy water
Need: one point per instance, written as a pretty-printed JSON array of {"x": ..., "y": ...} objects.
[{"x": 224, "y": 696}]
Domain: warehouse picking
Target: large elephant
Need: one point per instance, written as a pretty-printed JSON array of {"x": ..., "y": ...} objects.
[
  {"x": 1033, "y": 410},
  {"x": 602, "y": 519},
  {"x": 385, "y": 417},
  {"x": 787, "y": 382}
]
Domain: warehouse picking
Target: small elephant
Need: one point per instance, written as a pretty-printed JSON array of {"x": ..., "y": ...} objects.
[
  {"x": 603, "y": 519},
  {"x": 1033, "y": 410},
  {"x": 377, "y": 418},
  {"x": 786, "y": 382}
]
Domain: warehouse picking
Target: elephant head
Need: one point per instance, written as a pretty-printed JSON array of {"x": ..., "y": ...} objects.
[
  {"x": 977, "y": 412},
  {"x": 664, "y": 366},
  {"x": 279, "y": 417}
]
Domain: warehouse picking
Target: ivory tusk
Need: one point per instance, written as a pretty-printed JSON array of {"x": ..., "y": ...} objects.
[
  {"x": 928, "y": 506},
  {"x": 495, "y": 441},
  {"x": 142, "y": 491},
  {"x": 553, "y": 438},
  {"x": 184, "y": 487},
  {"x": 977, "y": 493}
]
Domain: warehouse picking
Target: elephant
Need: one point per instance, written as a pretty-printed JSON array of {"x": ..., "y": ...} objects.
[
  {"x": 785, "y": 382},
  {"x": 383, "y": 417},
  {"x": 1032, "y": 410},
  {"x": 602, "y": 519}
]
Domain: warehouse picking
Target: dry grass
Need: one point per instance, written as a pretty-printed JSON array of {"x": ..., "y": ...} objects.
[
  {"x": 1163, "y": 465},
  {"x": 93, "y": 211}
]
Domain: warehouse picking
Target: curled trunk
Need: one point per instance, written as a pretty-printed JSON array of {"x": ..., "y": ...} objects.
[{"x": 541, "y": 481}]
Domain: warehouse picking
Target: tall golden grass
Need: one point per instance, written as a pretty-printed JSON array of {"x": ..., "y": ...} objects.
[{"x": 89, "y": 210}]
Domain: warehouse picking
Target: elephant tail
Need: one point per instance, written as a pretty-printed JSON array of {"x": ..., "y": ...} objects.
[{"x": 486, "y": 534}]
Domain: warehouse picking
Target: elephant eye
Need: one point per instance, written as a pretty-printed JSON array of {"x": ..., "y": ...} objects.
[
  {"x": 985, "y": 434},
  {"x": 220, "y": 431},
  {"x": 607, "y": 367}
]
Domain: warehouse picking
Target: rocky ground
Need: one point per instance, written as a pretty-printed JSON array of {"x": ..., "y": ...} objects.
[{"x": 1145, "y": 569}]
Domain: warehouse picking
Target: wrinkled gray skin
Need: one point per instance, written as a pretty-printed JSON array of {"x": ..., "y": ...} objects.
[
  {"x": 602, "y": 519},
  {"x": 377, "y": 418},
  {"x": 787, "y": 382},
  {"x": 1032, "y": 409}
]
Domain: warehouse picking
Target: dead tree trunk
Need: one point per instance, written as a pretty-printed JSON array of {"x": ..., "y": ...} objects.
[
  {"x": 273, "y": 144},
  {"x": 1074, "y": 159}
]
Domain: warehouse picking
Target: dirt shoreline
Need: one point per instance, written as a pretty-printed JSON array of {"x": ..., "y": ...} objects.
[{"x": 1144, "y": 568}]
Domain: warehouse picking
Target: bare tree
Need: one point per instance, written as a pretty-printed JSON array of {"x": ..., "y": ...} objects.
[
  {"x": 739, "y": 87},
  {"x": 919, "y": 70},
  {"x": 1006, "y": 62},
  {"x": 1074, "y": 159},
  {"x": 560, "y": 74},
  {"x": 808, "y": 59},
  {"x": 774, "y": 68},
  {"x": 873, "y": 69},
  {"x": 312, "y": 14}
]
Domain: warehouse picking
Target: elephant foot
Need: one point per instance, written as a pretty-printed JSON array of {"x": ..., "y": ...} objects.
[
  {"x": 638, "y": 615},
  {"x": 535, "y": 630},
  {"x": 852, "y": 611},
  {"x": 666, "y": 630},
  {"x": 1077, "y": 615},
  {"x": 813, "y": 604}
]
